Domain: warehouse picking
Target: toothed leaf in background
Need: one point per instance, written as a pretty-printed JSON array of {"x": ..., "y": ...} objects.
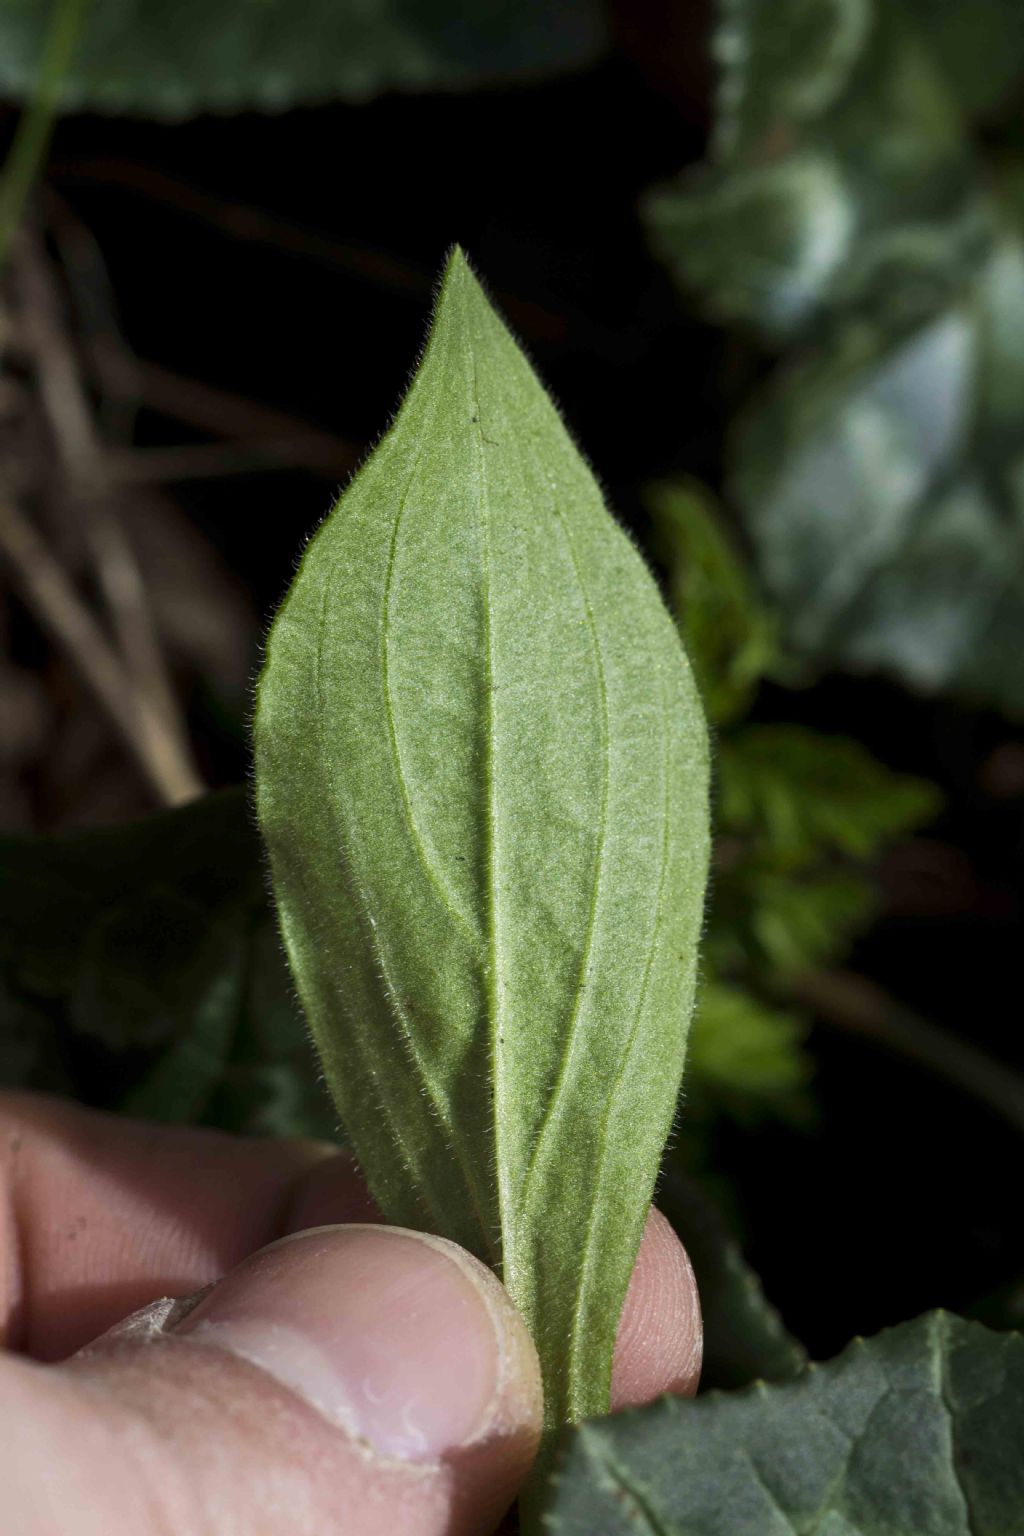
[
  {"x": 748, "y": 1054},
  {"x": 919, "y": 1430},
  {"x": 481, "y": 772},
  {"x": 155, "y": 58},
  {"x": 802, "y": 794}
]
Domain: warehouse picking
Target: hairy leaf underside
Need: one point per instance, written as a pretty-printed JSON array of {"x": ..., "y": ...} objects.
[{"x": 482, "y": 777}]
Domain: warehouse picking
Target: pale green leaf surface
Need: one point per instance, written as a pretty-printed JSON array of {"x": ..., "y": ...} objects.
[
  {"x": 173, "y": 58},
  {"x": 482, "y": 777},
  {"x": 778, "y": 923},
  {"x": 916, "y": 1432}
]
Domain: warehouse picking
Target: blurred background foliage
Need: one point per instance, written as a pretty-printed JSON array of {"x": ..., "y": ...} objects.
[
  {"x": 770, "y": 255},
  {"x": 850, "y": 219}
]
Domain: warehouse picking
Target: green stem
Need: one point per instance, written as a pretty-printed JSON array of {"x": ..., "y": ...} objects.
[{"x": 32, "y": 137}]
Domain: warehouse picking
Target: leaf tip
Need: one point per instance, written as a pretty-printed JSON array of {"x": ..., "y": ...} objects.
[
  {"x": 456, "y": 267},
  {"x": 461, "y": 298},
  {"x": 458, "y": 275}
]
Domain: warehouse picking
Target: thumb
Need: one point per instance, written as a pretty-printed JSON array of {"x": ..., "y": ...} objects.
[{"x": 361, "y": 1380}]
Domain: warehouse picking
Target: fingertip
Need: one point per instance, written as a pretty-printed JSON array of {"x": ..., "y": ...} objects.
[
  {"x": 383, "y": 1372},
  {"x": 401, "y": 1339},
  {"x": 660, "y": 1338}
]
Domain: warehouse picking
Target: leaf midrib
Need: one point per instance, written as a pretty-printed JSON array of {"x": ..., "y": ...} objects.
[{"x": 507, "y": 1265}]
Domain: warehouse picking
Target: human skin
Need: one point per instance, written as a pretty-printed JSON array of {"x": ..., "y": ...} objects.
[{"x": 338, "y": 1377}]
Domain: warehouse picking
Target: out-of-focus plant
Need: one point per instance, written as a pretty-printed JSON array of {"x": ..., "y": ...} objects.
[
  {"x": 163, "y": 59},
  {"x": 848, "y": 222},
  {"x": 799, "y": 818}
]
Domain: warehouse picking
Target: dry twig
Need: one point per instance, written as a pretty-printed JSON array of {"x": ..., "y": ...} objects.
[
  {"x": 146, "y": 697},
  {"x": 853, "y": 1003},
  {"x": 46, "y": 588}
]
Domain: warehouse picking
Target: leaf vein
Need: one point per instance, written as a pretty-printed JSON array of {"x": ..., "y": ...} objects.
[
  {"x": 578, "y": 1300},
  {"x": 943, "y": 1389},
  {"x": 434, "y": 874},
  {"x": 360, "y": 904},
  {"x": 562, "y": 1079},
  {"x": 407, "y": 1034},
  {"x": 508, "y": 1250},
  {"x": 653, "y": 1523}
]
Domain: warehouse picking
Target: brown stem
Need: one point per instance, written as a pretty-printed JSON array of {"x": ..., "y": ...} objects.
[
  {"x": 207, "y": 461},
  {"x": 244, "y": 221},
  {"x": 851, "y": 1002},
  {"x": 145, "y": 686},
  {"x": 46, "y": 589},
  {"x": 226, "y": 414}
]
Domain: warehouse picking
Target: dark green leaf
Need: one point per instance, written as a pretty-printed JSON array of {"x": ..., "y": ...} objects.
[
  {"x": 781, "y": 65},
  {"x": 917, "y": 1432},
  {"x": 173, "y": 58},
  {"x": 802, "y": 795},
  {"x": 881, "y": 474},
  {"x": 140, "y": 969},
  {"x": 979, "y": 45},
  {"x": 775, "y": 923},
  {"x": 481, "y": 770},
  {"x": 791, "y": 807}
]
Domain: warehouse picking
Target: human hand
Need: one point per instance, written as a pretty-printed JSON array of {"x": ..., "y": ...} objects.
[{"x": 350, "y": 1380}]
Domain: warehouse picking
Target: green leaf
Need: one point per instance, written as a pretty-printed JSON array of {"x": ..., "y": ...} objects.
[
  {"x": 140, "y": 970},
  {"x": 801, "y": 794},
  {"x": 744, "y": 1337},
  {"x": 730, "y": 638},
  {"x": 783, "y": 64},
  {"x": 918, "y": 1430},
  {"x": 481, "y": 772},
  {"x": 747, "y": 1052},
  {"x": 775, "y": 923},
  {"x": 979, "y": 45},
  {"x": 793, "y": 809},
  {"x": 174, "y": 58},
  {"x": 884, "y": 487},
  {"x": 846, "y": 214}
]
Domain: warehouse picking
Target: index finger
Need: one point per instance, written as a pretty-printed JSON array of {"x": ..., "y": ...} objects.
[{"x": 100, "y": 1214}]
